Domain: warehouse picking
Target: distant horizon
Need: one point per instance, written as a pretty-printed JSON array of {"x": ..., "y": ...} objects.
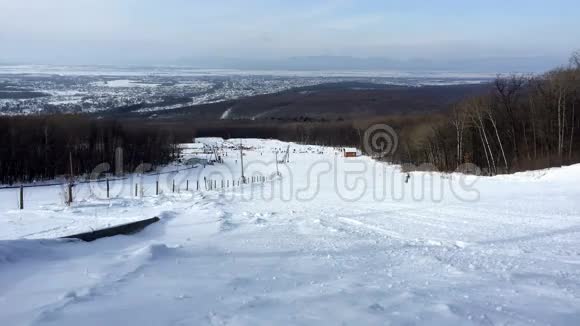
[
  {"x": 491, "y": 35},
  {"x": 489, "y": 65}
]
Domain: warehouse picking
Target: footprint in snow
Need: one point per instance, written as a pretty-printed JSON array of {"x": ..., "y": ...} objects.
[
  {"x": 260, "y": 221},
  {"x": 376, "y": 307}
]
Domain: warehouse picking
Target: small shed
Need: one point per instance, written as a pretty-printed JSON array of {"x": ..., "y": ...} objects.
[{"x": 350, "y": 152}]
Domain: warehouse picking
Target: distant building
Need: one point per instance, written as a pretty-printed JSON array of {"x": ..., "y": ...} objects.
[{"x": 350, "y": 152}]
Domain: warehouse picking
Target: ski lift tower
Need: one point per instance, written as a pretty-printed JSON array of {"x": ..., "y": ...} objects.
[
  {"x": 242, "y": 161},
  {"x": 286, "y": 158}
]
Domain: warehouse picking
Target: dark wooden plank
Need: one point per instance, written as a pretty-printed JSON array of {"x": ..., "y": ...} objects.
[{"x": 125, "y": 229}]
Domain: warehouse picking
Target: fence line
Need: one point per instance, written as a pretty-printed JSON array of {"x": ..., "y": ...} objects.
[
  {"x": 210, "y": 185},
  {"x": 91, "y": 180}
]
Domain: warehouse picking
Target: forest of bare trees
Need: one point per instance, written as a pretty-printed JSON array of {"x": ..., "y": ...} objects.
[
  {"x": 525, "y": 122},
  {"x": 41, "y": 148}
]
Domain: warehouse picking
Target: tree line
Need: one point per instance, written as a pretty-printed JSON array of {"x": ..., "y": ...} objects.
[
  {"x": 35, "y": 148},
  {"x": 524, "y": 122}
]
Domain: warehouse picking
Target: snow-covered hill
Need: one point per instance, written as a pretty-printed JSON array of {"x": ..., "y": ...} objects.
[{"x": 332, "y": 241}]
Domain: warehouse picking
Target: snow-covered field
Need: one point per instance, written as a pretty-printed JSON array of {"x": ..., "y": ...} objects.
[{"x": 332, "y": 241}]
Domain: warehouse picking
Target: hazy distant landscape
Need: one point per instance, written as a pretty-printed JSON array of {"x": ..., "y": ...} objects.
[{"x": 88, "y": 89}]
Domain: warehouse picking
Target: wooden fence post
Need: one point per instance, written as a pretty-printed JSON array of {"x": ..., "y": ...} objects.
[
  {"x": 135, "y": 190},
  {"x": 156, "y": 187},
  {"x": 21, "y": 197},
  {"x": 173, "y": 185},
  {"x": 108, "y": 188},
  {"x": 186, "y": 185},
  {"x": 70, "y": 195}
]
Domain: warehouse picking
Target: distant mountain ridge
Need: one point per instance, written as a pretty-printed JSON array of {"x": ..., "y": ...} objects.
[{"x": 489, "y": 65}]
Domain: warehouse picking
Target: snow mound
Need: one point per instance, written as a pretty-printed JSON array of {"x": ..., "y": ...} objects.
[
  {"x": 157, "y": 251},
  {"x": 13, "y": 251},
  {"x": 565, "y": 174},
  {"x": 560, "y": 174}
]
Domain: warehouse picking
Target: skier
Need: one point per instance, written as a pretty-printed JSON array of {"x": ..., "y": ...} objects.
[{"x": 407, "y": 177}]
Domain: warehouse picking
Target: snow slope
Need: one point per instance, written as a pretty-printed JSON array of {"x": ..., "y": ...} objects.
[{"x": 333, "y": 241}]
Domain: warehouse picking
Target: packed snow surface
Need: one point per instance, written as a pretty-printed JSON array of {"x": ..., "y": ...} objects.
[{"x": 333, "y": 241}]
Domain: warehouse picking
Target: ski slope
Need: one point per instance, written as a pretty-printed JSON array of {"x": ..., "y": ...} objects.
[{"x": 332, "y": 241}]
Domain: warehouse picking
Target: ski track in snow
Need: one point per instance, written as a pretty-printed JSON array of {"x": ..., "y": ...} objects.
[
  {"x": 229, "y": 258},
  {"x": 226, "y": 113}
]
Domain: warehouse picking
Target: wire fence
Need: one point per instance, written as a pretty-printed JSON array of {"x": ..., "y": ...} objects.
[
  {"x": 63, "y": 183},
  {"x": 132, "y": 186}
]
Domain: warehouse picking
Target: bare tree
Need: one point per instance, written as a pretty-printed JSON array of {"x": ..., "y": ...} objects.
[
  {"x": 559, "y": 85},
  {"x": 476, "y": 110},
  {"x": 494, "y": 124},
  {"x": 575, "y": 60},
  {"x": 458, "y": 119},
  {"x": 572, "y": 130},
  {"x": 508, "y": 91}
]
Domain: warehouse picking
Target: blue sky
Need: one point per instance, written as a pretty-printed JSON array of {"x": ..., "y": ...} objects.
[{"x": 151, "y": 31}]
